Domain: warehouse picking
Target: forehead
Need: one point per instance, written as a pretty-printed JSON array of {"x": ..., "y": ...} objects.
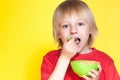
[{"x": 73, "y": 15}]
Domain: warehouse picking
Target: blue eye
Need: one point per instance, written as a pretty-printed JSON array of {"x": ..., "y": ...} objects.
[{"x": 80, "y": 24}]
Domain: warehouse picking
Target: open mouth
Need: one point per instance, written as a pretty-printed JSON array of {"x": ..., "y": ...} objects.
[{"x": 77, "y": 40}]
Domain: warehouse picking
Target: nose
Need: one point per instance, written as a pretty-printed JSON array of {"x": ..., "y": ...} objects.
[{"x": 73, "y": 30}]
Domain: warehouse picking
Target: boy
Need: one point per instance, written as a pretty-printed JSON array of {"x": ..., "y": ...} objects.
[{"x": 74, "y": 29}]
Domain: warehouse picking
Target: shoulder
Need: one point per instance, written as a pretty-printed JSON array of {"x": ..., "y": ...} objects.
[
  {"x": 103, "y": 56},
  {"x": 53, "y": 54}
]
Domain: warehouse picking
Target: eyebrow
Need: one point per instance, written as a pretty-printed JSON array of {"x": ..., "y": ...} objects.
[
  {"x": 79, "y": 20},
  {"x": 61, "y": 24}
]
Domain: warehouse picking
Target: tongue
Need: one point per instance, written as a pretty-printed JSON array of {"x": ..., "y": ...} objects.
[{"x": 77, "y": 41}]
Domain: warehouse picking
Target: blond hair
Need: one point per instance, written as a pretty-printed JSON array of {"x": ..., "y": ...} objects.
[{"x": 68, "y": 7}]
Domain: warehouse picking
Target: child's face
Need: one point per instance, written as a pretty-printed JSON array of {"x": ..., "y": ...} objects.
[{"x": 74, "y": 26}]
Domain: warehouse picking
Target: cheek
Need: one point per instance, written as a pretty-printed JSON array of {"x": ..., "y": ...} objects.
[
  {"x": 84, "y": 30},
  {"x": 63, "y": 35},
  {"x": 85, "y": 34}
]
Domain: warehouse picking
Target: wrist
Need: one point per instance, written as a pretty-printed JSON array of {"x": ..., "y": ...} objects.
[{"x": 66, "y": 56}]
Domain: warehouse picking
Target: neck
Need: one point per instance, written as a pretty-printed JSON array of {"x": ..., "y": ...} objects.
[{"x": 85, "y": 50}]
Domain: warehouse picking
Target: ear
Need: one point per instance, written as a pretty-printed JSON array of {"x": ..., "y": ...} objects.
[
  {"x": 58, "y": 34},
  {"x": 91, "y": 32}
]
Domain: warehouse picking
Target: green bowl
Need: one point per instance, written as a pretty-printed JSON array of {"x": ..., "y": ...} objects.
[{"x": 83, "y": 67}]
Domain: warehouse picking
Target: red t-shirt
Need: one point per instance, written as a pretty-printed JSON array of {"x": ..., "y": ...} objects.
[{"x": 108, "y": 72}]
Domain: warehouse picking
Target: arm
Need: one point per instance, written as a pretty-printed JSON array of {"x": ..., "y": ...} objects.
[
  {"x": 49, "y": 66},
  {"x": 60, "y": 69},
  {"x": 112, "y": 72},
  {"x": 67, "y": 53}
]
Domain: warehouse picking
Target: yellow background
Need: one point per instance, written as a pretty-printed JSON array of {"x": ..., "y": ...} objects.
[{"x": 26, "y": 34}]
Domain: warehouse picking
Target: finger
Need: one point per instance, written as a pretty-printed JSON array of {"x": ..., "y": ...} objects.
[
  {"x": 92, "y": 75},
  {"x": 70, "y": 42},
  {"x": 78, "y": 49},
  {"x": 95, "y": 72},
  {"x": 75, "y": 48},
  {"x": 87, "y": 78},
  {"x": 73, "y": 44},
  {"x": 100, "y": 68}
]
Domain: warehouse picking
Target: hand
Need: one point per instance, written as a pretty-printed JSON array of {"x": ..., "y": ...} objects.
[
  {"x": 94, "y": 74},
  {"x": 70, "y": 48}
]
